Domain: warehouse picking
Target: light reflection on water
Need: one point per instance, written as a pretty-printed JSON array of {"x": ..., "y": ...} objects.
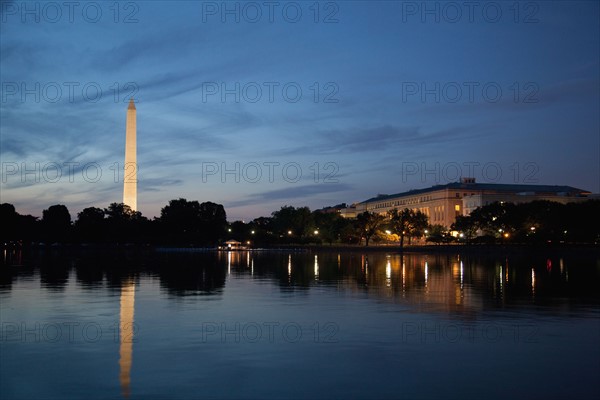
[
  {"x": 126, "y": 334},
  {"x": 298, "y": 324}
]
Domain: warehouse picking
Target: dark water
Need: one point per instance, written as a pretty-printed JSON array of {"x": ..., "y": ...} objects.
[{"x": 298, "y": 325}]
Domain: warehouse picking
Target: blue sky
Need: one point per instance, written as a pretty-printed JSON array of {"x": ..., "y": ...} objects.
[{"x": 299, "y": 108}]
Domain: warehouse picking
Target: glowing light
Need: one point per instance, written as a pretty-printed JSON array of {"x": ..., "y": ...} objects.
[
  {"x": 316, "y": 268},
  {"x": 388, "y": 232},
  {"x": 289, "y": 232},
  {"x": 403, "y": 276},
  {"x": 252, "y": 232},
  {"x": 388, "y": 273},
  {"x": 562, "y": 265}
]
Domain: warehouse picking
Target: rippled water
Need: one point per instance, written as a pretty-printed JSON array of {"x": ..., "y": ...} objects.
[{"x": 298, "y": 325}]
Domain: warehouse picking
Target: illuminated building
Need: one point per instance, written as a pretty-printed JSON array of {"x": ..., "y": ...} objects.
[{"x": 443, "y": 203}]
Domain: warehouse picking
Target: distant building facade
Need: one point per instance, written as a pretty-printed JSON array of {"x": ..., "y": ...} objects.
[
  {"x": 443, "y": 203},
  {"x": 333, "y": 209}
]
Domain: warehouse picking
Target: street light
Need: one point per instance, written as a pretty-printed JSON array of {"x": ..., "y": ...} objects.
[
  {"x": 316, "y": 232},
  {"x": 289, "y": 232},
  {"x": 252, "y": 232}
]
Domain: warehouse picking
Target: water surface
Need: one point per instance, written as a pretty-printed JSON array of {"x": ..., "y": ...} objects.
[{"x": 297, "y": 324}]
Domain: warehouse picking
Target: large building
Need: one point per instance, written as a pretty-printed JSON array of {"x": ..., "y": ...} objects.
[{"x": 443, "y": 203}]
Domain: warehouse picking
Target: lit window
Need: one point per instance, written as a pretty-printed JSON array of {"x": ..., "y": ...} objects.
[{"x": 457, "y": 208}]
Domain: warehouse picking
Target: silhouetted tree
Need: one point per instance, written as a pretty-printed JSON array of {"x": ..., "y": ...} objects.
[
  {"x": 263, "y": 231},
  {"x": 465, "y": 225},
  {"x": 213, "y": 222},
  {"x": 121, "y": 212},
  {"x": 181, "y": 222},
  {"x": 407, "y": 223},
  {"x": 326, "y": 225},
  {"x": 582, "y": 222},
  {"x": 495, "y": 219},
  {"x": 56, "y": 222},
  {"x": 239, "y": 231},
  {"x": 17, "y": 228},
  {"x": 298, "y": 221},
  {"x": 437, "y": 234},
  {"x": 90, "y": 224},
  {"x": 367, "y": 225},
  {"x": 332, "y": 227},
  {"x": 125, "y": 225},
  {"x": 10, "y": 222}
]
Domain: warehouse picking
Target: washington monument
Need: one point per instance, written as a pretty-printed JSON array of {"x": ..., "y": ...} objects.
[{"x": 130, "y": 166}]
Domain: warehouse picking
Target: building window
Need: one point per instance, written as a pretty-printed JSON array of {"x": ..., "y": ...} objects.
[{"x": 457, "y": 208}]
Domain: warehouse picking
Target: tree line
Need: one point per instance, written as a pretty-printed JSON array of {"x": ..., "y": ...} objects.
[
  {"x": 181, "y": 222},
  {"x": 534, "y": 222},
  {"x": 191, "y": 223}
]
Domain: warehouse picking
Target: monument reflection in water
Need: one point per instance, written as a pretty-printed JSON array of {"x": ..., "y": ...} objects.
[
  {"x": 360, "y": 325},
  {"x": 126, "y": 332}
]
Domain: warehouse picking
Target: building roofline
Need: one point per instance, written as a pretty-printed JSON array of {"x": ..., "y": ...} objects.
[{"x": 499, "y": 187}]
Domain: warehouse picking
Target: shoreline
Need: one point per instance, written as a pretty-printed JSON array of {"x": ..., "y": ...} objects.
[{"x": 583, "y": 249}]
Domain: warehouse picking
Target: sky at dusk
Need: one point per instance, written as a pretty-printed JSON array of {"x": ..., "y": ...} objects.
[{"x": 263, "y": 104}]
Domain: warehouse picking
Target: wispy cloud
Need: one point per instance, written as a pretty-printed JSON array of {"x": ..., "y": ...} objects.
[{"x": 294, "y": 192}]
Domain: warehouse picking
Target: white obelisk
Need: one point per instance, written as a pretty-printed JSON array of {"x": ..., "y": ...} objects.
[{"x": 130, "y": 166}]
